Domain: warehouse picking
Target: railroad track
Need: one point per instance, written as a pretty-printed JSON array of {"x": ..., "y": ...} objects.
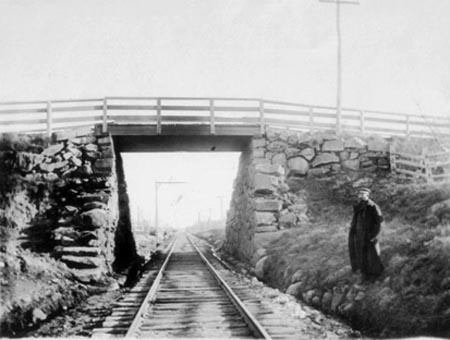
[
  {"x": 187, "y": 298},
  {"x": 182, "y": 297}
]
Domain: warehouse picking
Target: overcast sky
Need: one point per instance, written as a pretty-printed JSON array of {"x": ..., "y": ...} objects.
[{"x": 395, "y": 52}]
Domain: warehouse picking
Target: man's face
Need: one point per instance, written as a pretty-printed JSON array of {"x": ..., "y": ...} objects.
[{"x": 363, "y": 195}]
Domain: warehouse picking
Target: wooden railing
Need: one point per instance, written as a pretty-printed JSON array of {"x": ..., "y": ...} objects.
[
  {"x": 431, "y": 167},
  {"x": 49, "y": 116}
]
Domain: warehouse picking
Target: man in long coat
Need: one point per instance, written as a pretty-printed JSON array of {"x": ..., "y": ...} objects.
[{"x": 363, "y": 242}]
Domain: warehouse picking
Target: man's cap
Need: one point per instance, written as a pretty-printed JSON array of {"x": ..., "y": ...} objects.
[{"x": 363, "y": 189}]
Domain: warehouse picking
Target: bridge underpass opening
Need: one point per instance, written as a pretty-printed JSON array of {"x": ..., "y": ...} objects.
[{"x": 171, "y": 191}]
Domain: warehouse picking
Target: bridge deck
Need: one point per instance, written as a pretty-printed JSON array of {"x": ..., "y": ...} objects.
[{"x": 182, "y": 130}]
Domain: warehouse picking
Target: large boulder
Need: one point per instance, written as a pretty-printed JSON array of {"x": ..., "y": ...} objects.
[
  {"x": 104, "y": 165},
  {"x": 279, "y": 158},
  {"x": 264, "y": 218},
  {"x": 257, "y": 255},
  {"x": 258, "y": 153},
  {"x": 287, "y": 219},
  {"x": 82, "y": 261},
  {"x": 52, "y": 150},
  {"x": 264, "y": 161},
  {"x": 93, "y": 205},
  {"x": 96, "y": 218},
  {"x": 260, "y": 267},
  {"x": 295, "y": 289},
  {"x": 333, "y": 145},
  {"x": 264, "y": 184},
  {"x": 97, "y": 197},
  {"x": 87, "y": 275},
  {"x": 317, "y": 172},
  {"x": 107, "y": 153},
  {"x": 263, "y": 240},
  {"x": 262, "y": 204},
  {"x": 308, "y": 153},
  {"x": 91, "y": 147},
  {"x": 351, "y": 164},
  {"x": 104, "y": 140},
  {"x": 324, "y": 159},
  {"x": 291, "y": 152},
  {"x": 277, "y": 147},
  {"x": 258, "y": 143},
  {"x": 270, "y": 169},
  {"x": 76, "y": 161},
  {"x": 355, "y": 143},
  {"x": 60, "y": 232},
  {"x": 47, "y": 167},
  {"x": 297, "y": 166},
  {"x": 78, "y": 251}
]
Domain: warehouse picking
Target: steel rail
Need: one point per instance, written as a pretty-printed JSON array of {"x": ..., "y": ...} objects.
[
  {"x": 151, "y": 293},
  {"x": 249, "y": 319}
]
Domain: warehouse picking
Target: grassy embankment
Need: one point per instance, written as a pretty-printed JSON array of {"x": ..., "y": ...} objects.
[{"x": 413, "y": 295}]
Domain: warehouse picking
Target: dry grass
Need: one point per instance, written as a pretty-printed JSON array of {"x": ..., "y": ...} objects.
[{"x": 412, "y": 296}]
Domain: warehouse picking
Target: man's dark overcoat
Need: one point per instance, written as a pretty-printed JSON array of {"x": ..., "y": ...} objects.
[{"x": 366, "y": 224}]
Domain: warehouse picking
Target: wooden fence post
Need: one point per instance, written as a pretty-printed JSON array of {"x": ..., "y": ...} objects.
[
  {"x": 407, "y": 126},
  {"x": 427, "y": 166},
  {"x": 212, "y": 117},
  {"x": 311, "y": 118},
  {"x": 261, "y": 117},
  {"x": 392, "y": 158},
  {"x": 105, "y": 116},
  {"x": 362, "y": 125},
  {"x": 158, "y": 116},
  {"x": 49, "y": 119}
]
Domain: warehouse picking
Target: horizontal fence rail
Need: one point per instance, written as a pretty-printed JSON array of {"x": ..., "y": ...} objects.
[
  {"x": 431, "y": 167},
  {"x": 56, "y": 115}
]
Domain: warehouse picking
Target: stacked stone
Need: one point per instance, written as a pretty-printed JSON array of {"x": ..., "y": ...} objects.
[
  {"x": 318, "y": 154},
  {"x": 81, "y": 178},
  {"x": 262, "y": 204},
  {"x": 267, "y": 192},
  {"x": 64, "y": 159},
  {"x": 240, "y": 219},
  {"x": 85, "y": 230}
]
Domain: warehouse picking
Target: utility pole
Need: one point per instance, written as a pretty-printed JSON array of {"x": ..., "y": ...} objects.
[
  {"x": 157, "y": 185},
  {"x": 339, "y": 59}
]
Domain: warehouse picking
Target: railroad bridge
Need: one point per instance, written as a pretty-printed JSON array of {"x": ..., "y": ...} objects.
[{"x": 278, "y": 140}]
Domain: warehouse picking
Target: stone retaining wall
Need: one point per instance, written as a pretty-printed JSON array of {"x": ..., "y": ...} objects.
[
  {"x": 262, "y": 203},
  {"x": 79, "y": 224}
]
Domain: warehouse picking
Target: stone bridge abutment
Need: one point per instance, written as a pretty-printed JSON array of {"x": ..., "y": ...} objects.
[{"x": 264, "y": 203}]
